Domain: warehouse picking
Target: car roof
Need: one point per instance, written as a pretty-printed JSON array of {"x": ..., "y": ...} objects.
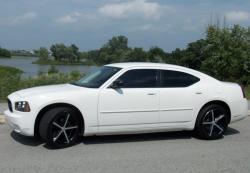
[
  {"x": 150, "y": 64},
  {"x": 141, "y": 64}
]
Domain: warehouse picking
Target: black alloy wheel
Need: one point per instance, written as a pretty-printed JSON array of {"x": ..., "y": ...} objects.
[
  {"x": 212, "y": 122},
  {"x": 60, "y": 127}
]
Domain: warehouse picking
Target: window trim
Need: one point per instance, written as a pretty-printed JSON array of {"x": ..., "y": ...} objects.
[
  {"x": 161, "y": 78},
  {"x": 139, "y": 68}
]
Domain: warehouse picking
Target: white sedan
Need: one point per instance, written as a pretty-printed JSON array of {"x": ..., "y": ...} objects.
[{"x": 127, "y": 98}]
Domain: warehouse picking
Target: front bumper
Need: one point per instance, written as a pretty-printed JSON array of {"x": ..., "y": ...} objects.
[{"x": 19, "y": 123}]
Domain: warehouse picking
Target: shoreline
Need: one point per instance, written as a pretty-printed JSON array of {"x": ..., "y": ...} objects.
[{"x": 53, "y": 62}]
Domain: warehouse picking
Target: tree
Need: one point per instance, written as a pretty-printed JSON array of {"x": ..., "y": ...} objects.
[
  {"x": 42, "y": 53},
  {"x": 194, "y": 54},
  {"x": 115, "y": 50},
  {"x": 227, "y": 53},
  {"x": 5, "y": 53},
  {"x": 63, "y": 53},
  {"x": 176, "y": 56},
  {"x": 92, "y": 57},
  {"x": 156, "y": 54},
  {"x": 224, "y": 53},
  {"x": 57, "y": 51},
  {"x": 137, "y": 55},
  {"x": 75, "y": 52},
  {"x": 118, "y": 42}
]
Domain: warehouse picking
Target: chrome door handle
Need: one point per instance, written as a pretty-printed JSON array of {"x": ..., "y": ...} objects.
[{"x": 151, "y": 94}]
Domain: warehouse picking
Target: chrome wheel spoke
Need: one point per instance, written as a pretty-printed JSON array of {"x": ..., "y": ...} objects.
[
  {"x": 70, "y": 128},
  {"x": 219, "y": 118},
  {"x": 64, "y": 129},
  {"x": 66, "y": 136},
  {"x": 58, "y": 135},
  {"x": 221, "y": 130},
  {"x": 57, "y": 125},
  {"x": 211, "y": 130},
  {"x": 67, "y": 119},
  {"x": 212, "y": 114},
  {"x": 207, "y": 123},
  {"x": 210, "y": 122}
]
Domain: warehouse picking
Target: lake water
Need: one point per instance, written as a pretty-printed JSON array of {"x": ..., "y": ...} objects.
[{"x": 29, "y": 69}]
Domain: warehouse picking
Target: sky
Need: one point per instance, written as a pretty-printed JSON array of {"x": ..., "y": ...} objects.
[{"x": 30, "y": 24}]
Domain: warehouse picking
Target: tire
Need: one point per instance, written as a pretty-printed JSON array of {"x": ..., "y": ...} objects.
[
  {"x": 212, "y": 122},
  {"x": 60, "y": 127}
]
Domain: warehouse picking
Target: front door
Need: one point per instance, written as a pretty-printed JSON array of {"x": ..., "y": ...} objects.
[{"x": 134, "y": 105}]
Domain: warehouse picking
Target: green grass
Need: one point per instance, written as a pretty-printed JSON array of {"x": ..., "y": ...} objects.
[{"x": 54, "y": 62}]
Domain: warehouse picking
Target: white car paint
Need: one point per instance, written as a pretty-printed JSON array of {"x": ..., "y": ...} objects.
[{"x": 134, "y": 110}]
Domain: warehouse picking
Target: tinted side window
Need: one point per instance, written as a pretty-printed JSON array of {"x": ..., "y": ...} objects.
[
  {"x": 172, "y": 79},
  {"x": 140, "y": 78}
]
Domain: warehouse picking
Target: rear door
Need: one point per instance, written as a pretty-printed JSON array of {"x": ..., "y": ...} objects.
[{"x": 178, "y": 96}]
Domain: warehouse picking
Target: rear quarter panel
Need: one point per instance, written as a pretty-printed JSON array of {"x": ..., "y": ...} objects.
[{"x": 232, "y": 93}]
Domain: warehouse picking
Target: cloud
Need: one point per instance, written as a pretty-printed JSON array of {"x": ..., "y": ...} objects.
[
  {"x": 75, "y": 17},
  {"x": 133, "y": 8},
  {"x": 24, "y": 17},
  {"x": 70, "y": 18},
  {"x": 149, "y": 28},
  {"x": 238, "y": 16}
]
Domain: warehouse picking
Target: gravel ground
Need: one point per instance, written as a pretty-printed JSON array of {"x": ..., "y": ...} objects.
[{"x": 160, "y": 152}]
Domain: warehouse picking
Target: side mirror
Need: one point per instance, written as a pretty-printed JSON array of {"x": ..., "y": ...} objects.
[{"x": 116, "y": 84}]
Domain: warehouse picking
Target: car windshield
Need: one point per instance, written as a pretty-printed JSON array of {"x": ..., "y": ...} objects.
[{"x": 97, "y": 77}]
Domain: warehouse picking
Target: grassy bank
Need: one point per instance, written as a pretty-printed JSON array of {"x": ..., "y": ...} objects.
[
  {"x": 4, "y": 57},
  {"x": 10, "y": 80},
  {"x": 54, "y": 62}
]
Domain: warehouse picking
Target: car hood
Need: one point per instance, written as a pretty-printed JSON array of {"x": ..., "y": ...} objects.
[{"x": 47, "y": 89}]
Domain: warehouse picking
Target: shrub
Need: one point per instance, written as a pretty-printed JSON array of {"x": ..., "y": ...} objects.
[{"x": 9, "y": 80}]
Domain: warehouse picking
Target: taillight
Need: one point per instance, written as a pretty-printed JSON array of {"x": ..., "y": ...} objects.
[{"x": 243, "y": 91}]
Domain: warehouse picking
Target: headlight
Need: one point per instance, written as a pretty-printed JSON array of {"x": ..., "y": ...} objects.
[{"x": 22, "y": 106}]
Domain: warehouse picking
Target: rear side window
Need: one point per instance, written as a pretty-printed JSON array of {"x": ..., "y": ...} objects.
[
  {"x": 171, "y": 79},
  {"x": 139, "y": 78}
]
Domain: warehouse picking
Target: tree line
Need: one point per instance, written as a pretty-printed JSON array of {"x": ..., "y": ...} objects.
[
  {"x": 224, "y": 53},
  {"x": 5, "y": 53}
]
